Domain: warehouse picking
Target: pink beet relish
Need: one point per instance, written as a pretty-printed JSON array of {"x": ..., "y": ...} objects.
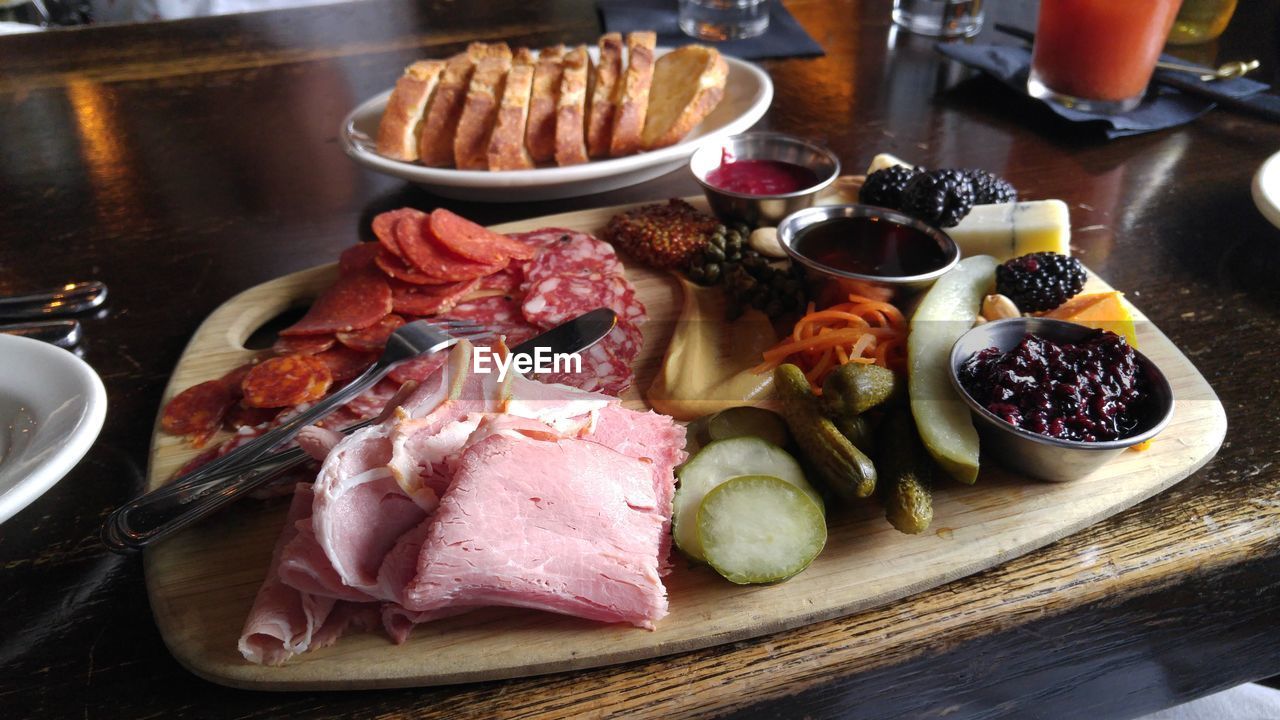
[{"x": 761, "y": 177}]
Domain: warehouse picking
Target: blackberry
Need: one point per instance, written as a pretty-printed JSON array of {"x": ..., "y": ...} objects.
[
  {"x": 1040, "y": 281},
  {"x": 940, "y": 197},
  {"x": 883, "y": 188},
  {"x": 990, "y": 188}
]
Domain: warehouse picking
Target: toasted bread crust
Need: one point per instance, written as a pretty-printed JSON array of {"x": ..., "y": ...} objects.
[
  {"x": 506, "y": 144},
  {"x": 435, "y": 145},
  {"x": 607, "y": 74},
  {"x": 689, "y": 83},
  {"x": 540, "y": 130},
  {"x": 480, "y": 110},
  {"x": 571, "y": 146},
  {"x": 401, "y": 123},
  {"x": 631, "y": 99}
]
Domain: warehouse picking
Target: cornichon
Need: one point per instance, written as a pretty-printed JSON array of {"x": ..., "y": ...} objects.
[
  {"x": 906, "y": 475},
  {"x": 855, "y": 388},
  {"x": 857, "y": 429},
  {"x": 843, "y": 468}
]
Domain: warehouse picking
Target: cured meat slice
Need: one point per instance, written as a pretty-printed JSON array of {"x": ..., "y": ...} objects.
[
  {"x": 240, "y": 416},
  {"x": 384, "y": 228},
  {"x": 373, "y": 338},
  {"x": 602, "y": 372},
  {"x": 198, "y": 411},
  {"x": 424, "y": 252},
  {"x": 358, "y": 258},
  {"x": 489, "y": 311},
  {"x": 303, "y": 344},
  {"x": 283, "y": 621},
  {"x": 554, "y": 300},
  {"x": 568, "y": 252},
  {"x": 423, "y": 300},
  {"x": 526, "y": 523},
  {"x": 396, "y": 268},
  {"x": 354, "y": 302},
  {"x": 286, "y": 381},
  {"x": 476, "y": 242},
  {"x": 506, "y": 280},
  {"x": 417, "y": 369},
  {"x": 345, "y": 364}
]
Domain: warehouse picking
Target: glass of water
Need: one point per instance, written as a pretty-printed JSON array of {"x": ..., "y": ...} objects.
[
  {"x": 941, "y": 18},
  {"x": 724, "y": 19}
]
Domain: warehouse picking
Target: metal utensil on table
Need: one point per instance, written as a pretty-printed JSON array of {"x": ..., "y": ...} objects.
[
  {"x": 1225, "y": 71},
  {"x": 62, "y": 333},
  {"x": 66, "y": 299},
  {"x": 179, "y": 504}
]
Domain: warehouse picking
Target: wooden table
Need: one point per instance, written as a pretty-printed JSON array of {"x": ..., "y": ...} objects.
[{"x": 184, "y": 162}]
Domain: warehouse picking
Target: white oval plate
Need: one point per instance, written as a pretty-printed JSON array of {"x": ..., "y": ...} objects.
[
  {"x": 1266, "y": 189},
  {"x": 52, "y": 405},
  {"x": 747, "y": 94}
]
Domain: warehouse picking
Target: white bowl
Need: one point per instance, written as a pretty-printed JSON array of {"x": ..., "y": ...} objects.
[
  {"x": 52, "y": 405},
  {"x": 747, "y": 94}
]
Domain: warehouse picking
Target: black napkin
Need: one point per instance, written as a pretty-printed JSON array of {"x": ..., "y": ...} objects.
[
  {"x": 1163, "y": 107},
  {"x": 784, "y": 38}
]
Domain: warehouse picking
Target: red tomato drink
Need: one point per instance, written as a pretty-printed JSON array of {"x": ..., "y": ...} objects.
[{"x": 1098, "y": 54}]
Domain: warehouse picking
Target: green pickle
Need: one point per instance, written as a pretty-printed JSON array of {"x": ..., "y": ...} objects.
[
  {"x": 843, "y": 468},
  {"x": 907, "y": 474},
  {"x": 855, "y": 388},
  {"x": 748, "y": 422}
]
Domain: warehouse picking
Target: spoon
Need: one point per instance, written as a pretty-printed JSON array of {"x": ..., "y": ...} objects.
[{"x": 1226, "y": 71}]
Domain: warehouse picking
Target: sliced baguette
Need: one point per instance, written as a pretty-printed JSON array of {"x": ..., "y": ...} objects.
[
  {"x": 688, "y": 83},
  {"x": 471, "y": 141},
  {"x": 401, "y": 123},
  {"x": 506, "y": 143},
  {"x": 571, "y": 110},
  {"x": 631, "y": 99},
  {"x": 440, "y": 122},
  {"x": 607, "y": 74},
  {"x": 540, "y": 130}
]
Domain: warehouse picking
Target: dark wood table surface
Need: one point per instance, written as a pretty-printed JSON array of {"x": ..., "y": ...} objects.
[{"x": 184, "y": 162}]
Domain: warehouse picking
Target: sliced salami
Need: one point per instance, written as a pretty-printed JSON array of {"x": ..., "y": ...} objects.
[
  {"x": 384, "y": 228},
  {"x": 507, "y": 280},
  {"x": 240, "y": 416},
  {"x": 489, "y": 311},
  {"x": 345, "y": 363},
  {"x": 424, "y": 300},
  {"x": 601, "y": 372},
  {"x": 417, "y": 369},
  {"x": 424, "y": 252},
  {"x": 303, "y": 344},
  {"x": 554, "y": 300},
  {"x": 358, "y": 258},
  {"x": 476, "y": 242},
  {"x": 286, "y": 381},
  {"x": 625, "y": 341},
  {"x": 373, "y": 338},
  {"x": 198, "y": 411},
  {"x": 574, "y": 253},
  {"x": 354, "y": 302}
]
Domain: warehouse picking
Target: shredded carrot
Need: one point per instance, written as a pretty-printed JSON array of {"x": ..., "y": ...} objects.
[{"x": 867, "y": 329}]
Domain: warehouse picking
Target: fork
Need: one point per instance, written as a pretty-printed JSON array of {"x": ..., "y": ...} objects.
[{"x": 203, "y": 491}]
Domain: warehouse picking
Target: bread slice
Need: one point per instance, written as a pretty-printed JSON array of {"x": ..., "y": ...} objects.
[
  {"x": 571, "y": 108},
  {"x": 506, "y": 143},
  {"x": 631, "y": 99},
  {"x": 401, "y": 123},
  {"x": 440, "y": 123},
  {"x": 600, "y": 111},
  {"x": 688, "y": 83},
  {"x": 540, "y": 130},
  {"x": 471, "y": 141}
]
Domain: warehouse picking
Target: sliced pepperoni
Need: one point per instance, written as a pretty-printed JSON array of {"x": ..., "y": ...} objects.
[
  {"x": 476, "y": 242},
  {"x": 198, "y": 411},
  {"x": 236, "y": 376},
  {"x": 572, "y": 253},
  {"x": 354, "y": 302},
  {"x": 345, "y": 363},
  {"x": 373, "y": 338},
  {"x": 423, "y": 300},
  {"x": 396, "y": 269},
  {"x": 384, "y": 228},
  {"x": 286, "y": 381},
  {"x": 358, "y": 258},
  {"x": 303, "y": 344},
  {"x": 241, "y": 416},
  {"x": 424, "y": 252}
]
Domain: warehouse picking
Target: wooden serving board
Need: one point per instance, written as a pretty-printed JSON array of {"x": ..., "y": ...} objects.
[{"x": 202, "y": 582}]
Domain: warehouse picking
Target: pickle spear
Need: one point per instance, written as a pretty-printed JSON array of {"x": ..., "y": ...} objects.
[{"x": 947, "y": 311}]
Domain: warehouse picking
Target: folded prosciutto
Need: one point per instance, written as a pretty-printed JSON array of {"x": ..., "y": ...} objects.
[{"x": 475, "y": 493}]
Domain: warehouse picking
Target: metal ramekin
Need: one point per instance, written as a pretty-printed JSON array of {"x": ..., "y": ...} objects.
[
  {"x": 830, "y": 283},
  {"x": 1036, "y": 455},
  {"x": 762, "y": 209}
]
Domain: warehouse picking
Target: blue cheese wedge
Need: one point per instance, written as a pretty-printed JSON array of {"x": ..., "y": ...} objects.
[{"x": 1008, "y": 230}]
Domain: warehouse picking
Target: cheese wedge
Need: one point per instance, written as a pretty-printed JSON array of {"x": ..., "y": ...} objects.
[
  {"x": 1008, "y": 230},
  {"x": 885, "y": 160}
]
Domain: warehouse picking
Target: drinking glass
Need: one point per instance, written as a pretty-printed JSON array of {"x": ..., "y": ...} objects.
[
  {"x": 1201, "y": 21},
  {"x": 723, "y": 19},
  {"x": 1098, "y": 55},
  {"x": 941, "y": 18}
]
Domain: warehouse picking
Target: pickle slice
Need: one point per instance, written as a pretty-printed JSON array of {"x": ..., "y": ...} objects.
[
  {"x": 760, "y": 529},
  {"x": 716, "y": 463}
]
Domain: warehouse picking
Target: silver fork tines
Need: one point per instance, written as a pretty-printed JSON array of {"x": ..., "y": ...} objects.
[{"x": 212, "y": 486}]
